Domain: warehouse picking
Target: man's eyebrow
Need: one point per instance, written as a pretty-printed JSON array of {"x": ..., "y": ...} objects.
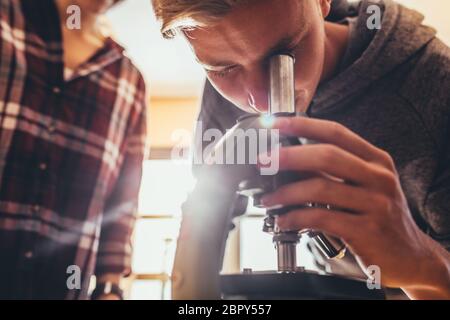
[
  {"x": 286, "y": 42},
  {"x": 212, "y": 65},
  {"x": 279, "y": 47}
]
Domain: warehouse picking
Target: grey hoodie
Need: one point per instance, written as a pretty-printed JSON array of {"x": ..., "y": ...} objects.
[{"x": 395, "y": 93}]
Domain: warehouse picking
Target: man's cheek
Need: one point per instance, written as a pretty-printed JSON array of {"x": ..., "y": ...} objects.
[
  {"x": 307, "y": 77},
  {"x": 232, "y": 92}
]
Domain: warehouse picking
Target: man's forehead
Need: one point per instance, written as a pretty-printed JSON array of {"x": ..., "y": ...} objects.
[
  {"x": 211, "y": 45},
  {"x": 246, "y": 32}
]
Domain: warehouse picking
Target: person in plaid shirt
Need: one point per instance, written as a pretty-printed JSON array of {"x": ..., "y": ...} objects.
[{"x": 72, "y": 142}]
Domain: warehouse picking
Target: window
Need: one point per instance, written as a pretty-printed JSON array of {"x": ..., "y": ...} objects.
[{"x": 164, "y": 187}]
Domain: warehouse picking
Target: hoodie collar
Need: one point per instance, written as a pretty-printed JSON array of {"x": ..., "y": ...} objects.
[{"x": 400, "y": 37}]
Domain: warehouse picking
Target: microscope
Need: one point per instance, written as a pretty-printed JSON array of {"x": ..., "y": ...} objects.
[{"x": 209, "y": 210}]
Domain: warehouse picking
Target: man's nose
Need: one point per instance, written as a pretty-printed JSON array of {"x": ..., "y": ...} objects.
[{"x": 256, "y": 86}]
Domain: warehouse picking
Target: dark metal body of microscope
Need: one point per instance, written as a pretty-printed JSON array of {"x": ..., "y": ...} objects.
[
  {"x": 282, "y": 104},
  {"x": 207, "y": 217}
]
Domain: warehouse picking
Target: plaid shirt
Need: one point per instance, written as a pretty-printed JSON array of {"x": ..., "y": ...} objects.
[{"x": 70, "y": 159}]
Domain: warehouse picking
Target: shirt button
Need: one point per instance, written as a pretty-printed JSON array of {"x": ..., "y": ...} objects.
[
  {"x": 56, "y": 90},
  {"x": 28, "y": 254},
  {"x": 43, "y": 166}
]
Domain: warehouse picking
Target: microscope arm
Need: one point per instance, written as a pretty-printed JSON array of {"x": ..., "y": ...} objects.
[{"x": 207, "y": 220}]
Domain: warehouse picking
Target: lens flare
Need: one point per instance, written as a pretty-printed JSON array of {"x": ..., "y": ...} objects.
[{"x": 267, "y": 121}]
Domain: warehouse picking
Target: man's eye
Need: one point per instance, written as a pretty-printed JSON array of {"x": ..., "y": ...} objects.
[
  {"x": 293, "y": 50},
  {"x": 221, "y": 73}
]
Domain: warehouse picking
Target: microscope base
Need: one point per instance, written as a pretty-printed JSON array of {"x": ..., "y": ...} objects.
[{"x": 299, "y": 285}]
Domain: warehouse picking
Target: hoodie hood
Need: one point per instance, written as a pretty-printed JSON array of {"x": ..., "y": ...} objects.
[{"x": 400, "y": 37}]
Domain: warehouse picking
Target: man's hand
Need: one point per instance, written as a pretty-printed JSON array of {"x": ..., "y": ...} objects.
[
  {"x": 111, "y": 278},
  {"x": 373, "y": 216},
  {"x": 110, "y": 296}
]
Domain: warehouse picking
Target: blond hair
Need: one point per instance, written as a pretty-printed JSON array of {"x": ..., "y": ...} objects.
[{"x": 187, "y": 14}]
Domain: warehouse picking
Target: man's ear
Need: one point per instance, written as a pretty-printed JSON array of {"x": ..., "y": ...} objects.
[{"x": 325, "y": 7}]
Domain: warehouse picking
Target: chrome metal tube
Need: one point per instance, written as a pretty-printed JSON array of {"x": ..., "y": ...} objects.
[
  {"x": 331, "y": 247},
  {"x": 287, "y": 256},
  {"x": 282, "y": 90},
  {"x": 282, "y": 101}
]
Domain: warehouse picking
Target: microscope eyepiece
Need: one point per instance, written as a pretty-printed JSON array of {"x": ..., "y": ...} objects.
[{"x": 282, "y": 91}]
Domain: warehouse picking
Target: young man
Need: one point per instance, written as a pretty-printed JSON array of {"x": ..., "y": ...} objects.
[
  {"x": 380, "y": 105},
  {"x": 72, "y": 132}
]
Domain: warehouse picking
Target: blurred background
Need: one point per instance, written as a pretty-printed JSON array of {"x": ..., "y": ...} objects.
[{"x": 174, "y": 84}]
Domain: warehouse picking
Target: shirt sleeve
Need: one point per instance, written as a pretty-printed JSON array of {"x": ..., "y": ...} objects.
[
  {"x": 436, "y": 115},
  {"x": 437, "y": 205},
  {"x": 427, "y": 91},
  {"x": 115, "y": 246}
]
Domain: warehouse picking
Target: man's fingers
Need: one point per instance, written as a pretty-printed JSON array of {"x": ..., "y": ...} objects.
[
  {"x": 332, "y": 161},
  {"x": 338, "y": 163},
  {"x": 334, "y": 133},
  {"x": 334, "y": 223},
  {"x": 322, "y": 191}
]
